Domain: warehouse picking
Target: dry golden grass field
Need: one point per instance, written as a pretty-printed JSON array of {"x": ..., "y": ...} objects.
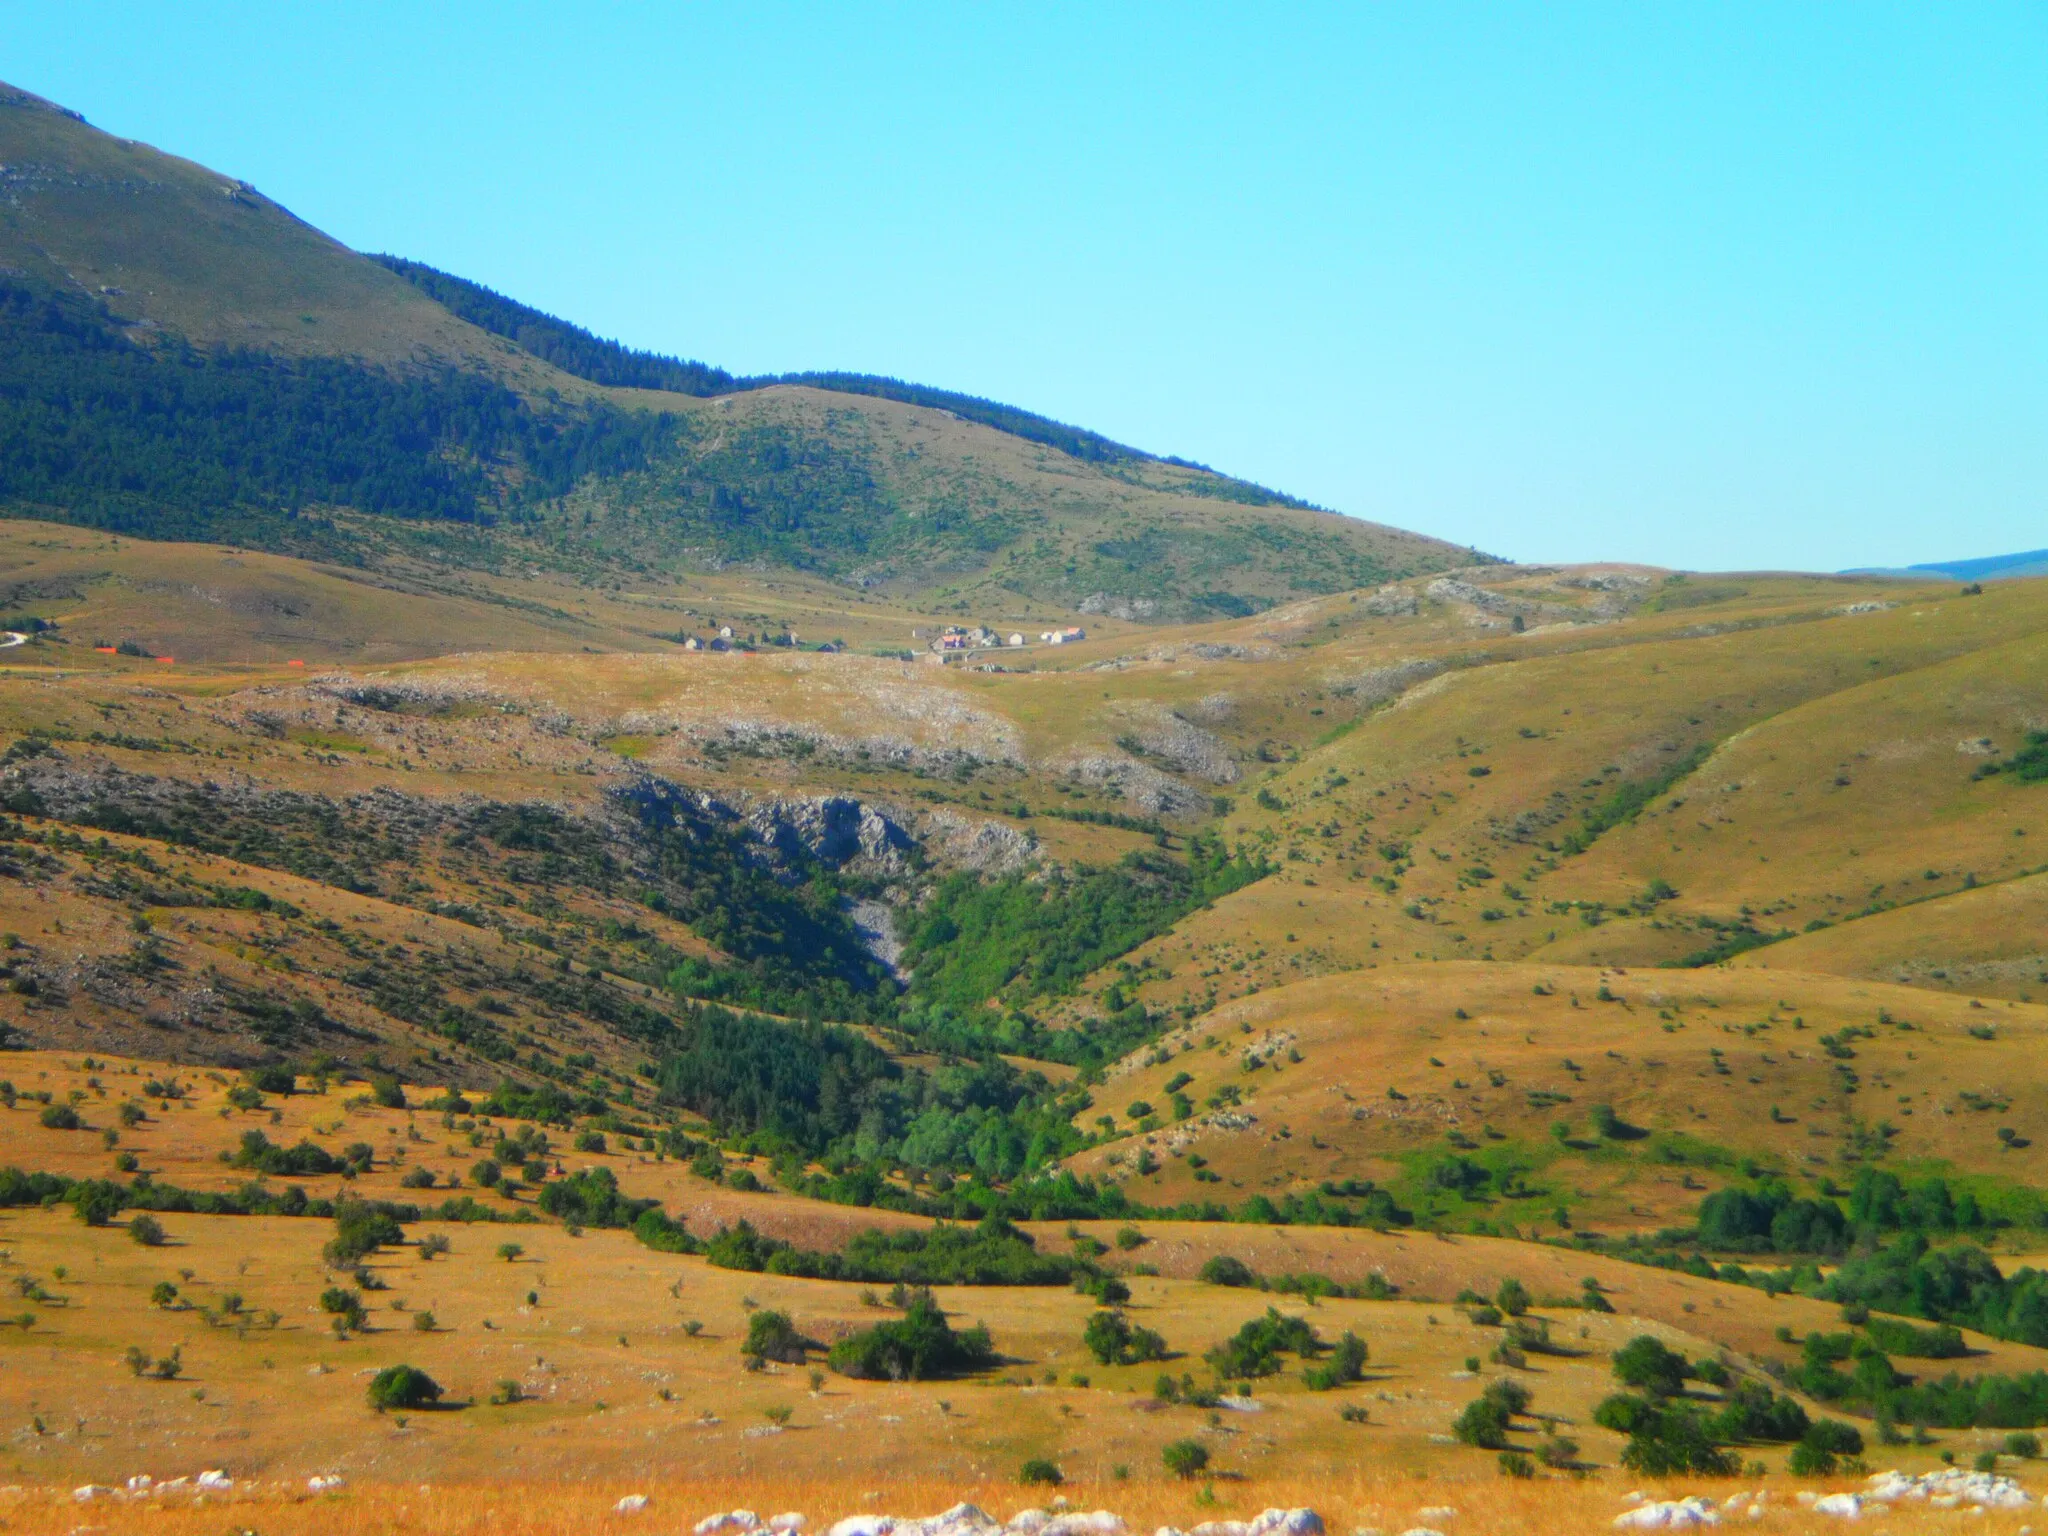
[
  {"x": 1429, "y": 967},
  {"x": 617, "y": 1387}
]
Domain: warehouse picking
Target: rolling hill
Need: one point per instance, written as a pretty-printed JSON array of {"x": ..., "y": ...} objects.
[
  {"x": 494, "y": 877},
  {"x": 185, "y": 358}
]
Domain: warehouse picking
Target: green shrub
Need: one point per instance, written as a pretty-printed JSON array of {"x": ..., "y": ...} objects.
[
  {"x": 917, "y": 1347},
  {"x": 1185, "y": 1459},
  {"x": 1509, "y": 1393},
  {"x": 1038, "y": 1471},
  {"x": 1112, "y": 1339},
  {"x": 1645, "y": 1363},
  {"x": 272, "y": 1079},
  {"x": 1345, "y": 1365},
  {"x": 772, "y": 1336},
  {"x": 1819, "y": 1449},
  {"x": 1515, "y": 1464},
  {"x": 403, "y": 1386},
  {"x": 344, "y": 1306},
  {"x": 147, "y": 1231},
  {"x": 1671, "y": 1439},
  {"x": 97, "y": 1201},
  {"x": 360, "y": 1229},
  {"x": 387, "y": 1091},
  {"x": 2022, "y": 1444},
  {"x": 60, "y": 1117},
  {"x": 1484, "y": 1423},
  {"x": 1810, "y": 1461},
  {"x": 1256, "y": 1348},
  {"x": 1712, "y": 1372},
  {"x": 258, "y": 1153},
  {"x": 1106, "y": 1289},
  {"x": 1752, "y": 1411},
  {"x": 1225, "y": 1270}
]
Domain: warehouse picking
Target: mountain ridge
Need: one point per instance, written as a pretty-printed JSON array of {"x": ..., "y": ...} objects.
[
  {"x": 2028, "y": 562},
  {"x": 185, "y": 358}
]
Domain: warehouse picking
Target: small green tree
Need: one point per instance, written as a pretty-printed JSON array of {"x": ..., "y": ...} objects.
[
  {"x": 1670, "y": 1438},
  {"x": 1484, "y": 1423},
  {"x": 1112, "y": 1339},
  {"x": 772, "y": 1336},
  {"x": 1646, "y": 1364},
  {"x": 1038, "y": 1471},
  {"x": 1824, "y": 1442},
  {"x": 403, "y": 1386},
  {"x": 1185, "y": 1459},
  {"x": 147, "y": 1231},
  {"x": 344, "y": 1306},
  {"x": 1225, "y": 1270},
  {"x": 1345, "y": 1365}
]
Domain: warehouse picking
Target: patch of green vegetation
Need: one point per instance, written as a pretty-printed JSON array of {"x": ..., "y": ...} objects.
[
  {"x": 2029, "y": 764},
  {"x": 920, "y": 1347},
  {"x": 1628, "y": 800},
  {"x": 993, "y": 1252},
  {"x": 171, "y": 441},
  {"x": 327, "y": 741},
  {"x": 1017, "y": 938},
  {"x": 1454, "y": 1184}
]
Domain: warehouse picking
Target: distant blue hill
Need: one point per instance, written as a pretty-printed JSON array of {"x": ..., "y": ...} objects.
[{"x": 2033, "y": 562}]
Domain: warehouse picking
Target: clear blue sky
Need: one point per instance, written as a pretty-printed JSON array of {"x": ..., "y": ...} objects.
[{"x": 1721, "y": 285}]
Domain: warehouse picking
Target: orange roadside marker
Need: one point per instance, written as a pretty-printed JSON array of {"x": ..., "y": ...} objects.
[
  {"x": 295, "y": 663},
  {"x": 104, "y": 650},
  {"x": 167, "y": 660}
]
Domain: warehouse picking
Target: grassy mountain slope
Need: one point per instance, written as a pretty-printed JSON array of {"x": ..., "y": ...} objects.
[
  {"x": 185, "y": 249},
  {"x": 185, "y": 358},
  {"x": 1672, "y": 786},
  {"x": 457, "y": 866},
  {"x": 1704, "y": 1069}
]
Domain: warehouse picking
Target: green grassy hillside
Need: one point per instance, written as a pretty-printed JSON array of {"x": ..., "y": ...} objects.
[{"x": 183, "y": 358}]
